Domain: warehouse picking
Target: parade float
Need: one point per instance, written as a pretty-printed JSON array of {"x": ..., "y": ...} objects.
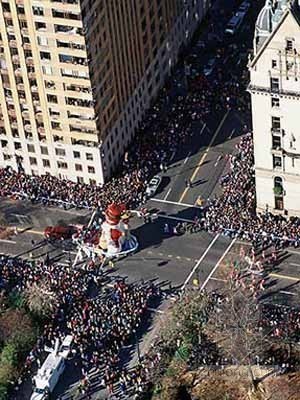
[{"x": 115, "y": 238}]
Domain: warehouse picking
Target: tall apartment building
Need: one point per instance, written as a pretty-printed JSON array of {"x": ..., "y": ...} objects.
[
  {"x": 77, "y": 75},
  {"x": 275, "y": 95}
]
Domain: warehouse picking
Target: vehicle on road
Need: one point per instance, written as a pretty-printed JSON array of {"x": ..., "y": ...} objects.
[
  {"x": 47, "y": 376},
  {"x": 59, "y": 232},
  {"x": 209, "y": 67},
  {"x": 235, "y": 23},
  {"x": 153, "y": 186},
  {"x": 244, "y": 7}
]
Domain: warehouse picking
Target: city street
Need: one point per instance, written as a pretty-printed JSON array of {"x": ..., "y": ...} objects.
[{"x": 174, "y": 262}]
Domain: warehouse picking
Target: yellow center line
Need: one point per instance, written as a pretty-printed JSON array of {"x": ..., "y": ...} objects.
[
  {"x": 291, "y": 278},
  {"x": 30, "y": 231},
  {"x": 204, "y": 156}
]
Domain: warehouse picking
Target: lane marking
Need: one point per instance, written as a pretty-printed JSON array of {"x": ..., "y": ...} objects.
[
  {"x": 232, "y": 133},
  {"x": 203, "y": 127},
  {"x": 174, "y": 218},
  {"x": 156, "y": 311},
  {"x": 204, "y": 155},
  {"x": 35, "y": 232},
  {"x": 217, "y": 265},
  {"x": 173, "y": 155},
  {"x": 173, "y": 202},
  {"x": 188, "y": 156},
  {"x": 199, "y": 261},
  {"x": 291, "y": 278},
  {"x": 218, "y": 279},
  {"x": 218, "y": 159},
  {"x": 167, "y": 194},
  {"x": 289, "y": 293},
  {"x": 295, "y": 264},
  {"x": 7, "y": 241},
  {"x": 294, "y": 252}
]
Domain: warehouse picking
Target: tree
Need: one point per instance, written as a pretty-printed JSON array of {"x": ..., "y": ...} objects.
[
  {"x": 40, "y": 300},
  {"x": 234, "y": 326},
  {"x": 14, "y": 322}
]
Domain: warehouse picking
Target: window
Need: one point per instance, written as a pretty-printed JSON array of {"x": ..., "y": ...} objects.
[
  {"x": 80, "y": 179},
  {"x": 275, "y": 102},
  {"x": 30, "y": 148},
  {"x": 46, "y": 163},
  {"x": 42, "y": 40},
  {"x": 60, "y": 152},
  {"x": 289, "y": 45},
  {"x": 51, "y": 98},
  {"x": 91, "y": 170},
  {"x": 78, "y": 167},
  {"x": 32, "y": 161},
  {"x": 62, "y": 164},
  {"x": 89, "y": 156},
  {"x": 276, "y": 142},
  {"x": 17, "y": 145},
  {"x": 274, "y": 82},
  {"x": 44, "y": 150},
  {"x": 276, "y": 123},
  {"x": 76, "y": 154},
  {"x": 6, "y": 157},
  {"x": 277, "y": 161},
  {"x": 274, "y": 63},
  {"x": 45, "y": 56},
  {"x": 55, "y": 125},
  {"x": 38, "y": 10},
  {"x": 47, "y": 70}
]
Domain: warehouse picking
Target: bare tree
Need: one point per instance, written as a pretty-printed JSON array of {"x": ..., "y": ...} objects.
[
  {"x": 40, "y": 299},
  {"x": 234, "y": 326}
]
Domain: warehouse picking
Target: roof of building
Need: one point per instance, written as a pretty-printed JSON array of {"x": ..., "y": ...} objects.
[
  {"x": 264, "y": 19},
  {"x": 286, "y": 7}
]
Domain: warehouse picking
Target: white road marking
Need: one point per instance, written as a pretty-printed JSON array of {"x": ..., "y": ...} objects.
[
  {"x": 173, "y": 202},
  {"x": 203, "y": 127},
  {"x": 167, "y": 194},
  {"x": 232, "y": 133},
  {"x": 218, "y": 159},
  {"x": 294, "y": 252},
  {"x": 295, "y": 264},
  {"x": 156, "y": 311},
  {"x": 286, "y": 292},
  {"x": 217, "y": 279},
  {"x": 217, "y": 265},
  {"x": 7, "y": 241},
  {"x": 174, "y": 218},
  {"x": 188, "y": 156},
  {"x": 199, "y": 261},
  {"x": 173, "y": 155}
]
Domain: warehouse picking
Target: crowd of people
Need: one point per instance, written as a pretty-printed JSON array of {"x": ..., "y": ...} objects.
[
  {"x": 101, "y": 324},
  {"x": 234, "y": 214}
]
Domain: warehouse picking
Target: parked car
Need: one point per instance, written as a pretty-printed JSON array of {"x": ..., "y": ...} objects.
[
  {"x": 209, "y": 67},
  {"x": 153, "y": 186},
  {"x": 60, "y": 232}
]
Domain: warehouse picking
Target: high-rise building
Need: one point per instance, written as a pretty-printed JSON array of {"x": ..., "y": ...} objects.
[
  {"x": 77, "y": 76},
  {"x": 275, "y": 96}
]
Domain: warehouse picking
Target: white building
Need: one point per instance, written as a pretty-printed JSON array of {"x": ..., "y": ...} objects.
[{"x": 275, "y": 95}]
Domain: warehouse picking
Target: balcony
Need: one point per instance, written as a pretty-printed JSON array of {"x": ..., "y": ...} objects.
[
  {"x": 41, "y": 130},
  {"x": 21, "y": 86},
  {"x": 25, "y": 114},
  {"x": 27, "y": 46},
  {"x": 34, "y": 89},
  {"x": 15, "y": 58},
  {"x": 260, "y": 89},
  {"x": 13, "y": 43},
  {"x": 29, "y": 61},
  {"x": 24, "y": 31}
]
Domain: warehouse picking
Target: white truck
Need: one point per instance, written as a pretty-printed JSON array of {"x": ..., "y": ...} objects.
[{"x": 48, "y": 375}]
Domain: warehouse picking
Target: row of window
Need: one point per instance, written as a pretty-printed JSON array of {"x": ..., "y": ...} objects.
[{"x": 62, "y": 165}]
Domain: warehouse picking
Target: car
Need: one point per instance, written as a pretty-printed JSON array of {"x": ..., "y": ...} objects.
[
  {"x": 235, "y": 23},
  {"x": 244, "y": 7},
  {"x": 60, "y": 232},
  {"x": 153, "y": 186},
  {"x": 209, "y": 67}
]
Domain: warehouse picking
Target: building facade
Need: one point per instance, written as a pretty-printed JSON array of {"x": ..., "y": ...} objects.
[
  {"x": 275, "y": 95},
  {"x": 76, "y": 77}
]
